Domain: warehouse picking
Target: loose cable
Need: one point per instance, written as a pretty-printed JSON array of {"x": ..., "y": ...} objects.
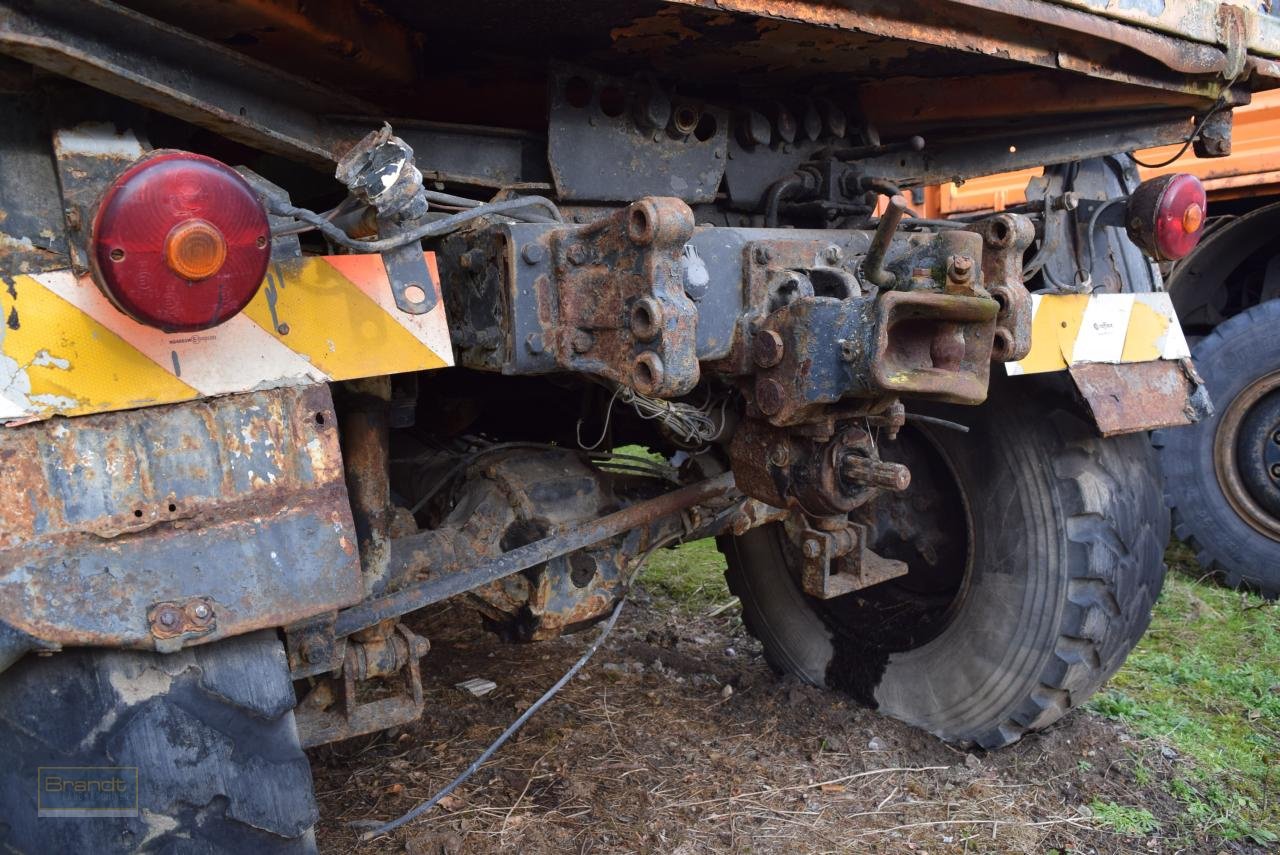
[{"x": 448, "y": 788}]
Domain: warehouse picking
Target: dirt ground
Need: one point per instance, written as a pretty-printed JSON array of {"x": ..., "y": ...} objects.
[{"x": 677, "y": 738}]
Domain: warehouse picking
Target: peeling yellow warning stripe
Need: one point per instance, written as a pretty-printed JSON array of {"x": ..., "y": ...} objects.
[
  {"x": 1072, "y": 329},
  {"x": 66, "y": 350}
]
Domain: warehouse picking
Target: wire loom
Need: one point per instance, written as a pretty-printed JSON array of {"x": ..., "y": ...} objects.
[{"x": 689, "y": 425}]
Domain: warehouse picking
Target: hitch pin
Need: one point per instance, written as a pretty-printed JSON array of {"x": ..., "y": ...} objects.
[{"x": 873, "y": 264}]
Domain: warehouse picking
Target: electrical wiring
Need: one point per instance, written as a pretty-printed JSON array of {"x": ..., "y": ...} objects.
[{"x": 433, "y": 229}]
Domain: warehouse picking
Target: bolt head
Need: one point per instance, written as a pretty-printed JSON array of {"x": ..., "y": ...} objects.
[
  {"x": 532, "y": 253},
  {"x": 167, "y": 618},
  {"x": 582, "y": 341},
  {"x": 767, "y": 348},
  {"x": 770, "y": 396},
  {"x": 312, "y": 650},
  {"x": 201, "y": 611},
  {"x": 833, "y": 255},
  {"x": 577, "y": 254},
  {"x": 762, "y": 254},
  {"x": 1275, "y": 470},
  {"x": 812, "y": 549}
]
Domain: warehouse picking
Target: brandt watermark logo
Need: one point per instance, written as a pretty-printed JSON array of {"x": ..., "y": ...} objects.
[{"x": 87, "y": 791}]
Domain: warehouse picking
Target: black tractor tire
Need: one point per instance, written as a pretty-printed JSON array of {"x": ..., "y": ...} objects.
[
  {"x": 1065, "y": 540},
  {"x": 210, "y": 731},
  {"x": 1239, "y": 353}
]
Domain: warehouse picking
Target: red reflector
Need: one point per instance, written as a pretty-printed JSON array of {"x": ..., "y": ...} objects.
[
  {"x": 180, "y": 242},
  {"x": 1166, "y": 215}
]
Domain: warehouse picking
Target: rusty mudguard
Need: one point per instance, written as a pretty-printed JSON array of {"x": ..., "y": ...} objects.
[{"x": 174, "y": 526}]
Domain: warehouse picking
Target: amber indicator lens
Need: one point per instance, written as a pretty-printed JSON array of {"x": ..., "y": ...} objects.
[
  {"x": 195, "y": 250},
  {"x": 1192, "y": 218}
]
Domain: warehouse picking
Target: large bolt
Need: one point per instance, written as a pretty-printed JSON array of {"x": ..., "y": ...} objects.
[
  {"x": 168, "y": 617},
  {"x": 812, "y": 549},
  {"x": 767, "y": 348},
  {"x": 577, "y": 254},
  {"x": 583, "y": 341},
  {"x": 770, "y": 396},
  {"x": 532, "y": 253},
  {"x": 762, "y": 254}
]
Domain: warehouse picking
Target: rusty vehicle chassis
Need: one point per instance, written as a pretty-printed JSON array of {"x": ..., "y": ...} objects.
[{"x": 715, "y": 245}]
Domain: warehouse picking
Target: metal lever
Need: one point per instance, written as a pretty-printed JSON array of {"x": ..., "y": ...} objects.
[{"x": 873, "y": 266}]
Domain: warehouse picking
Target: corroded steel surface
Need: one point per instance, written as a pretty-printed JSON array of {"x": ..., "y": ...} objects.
[
  {"x": 1141, "y": 396},
  {"x": 116, "y": 528}
]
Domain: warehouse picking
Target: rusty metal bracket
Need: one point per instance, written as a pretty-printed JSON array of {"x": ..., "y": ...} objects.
[
  {"x": 623, "y": 313},
  {"x": 617, "y": 140},
  {"x": 1005, "y": 239},
  {"x": 917, "y": 343},
  {"x": 837, "y": 560},
  {"x": 323, "y": 716}
]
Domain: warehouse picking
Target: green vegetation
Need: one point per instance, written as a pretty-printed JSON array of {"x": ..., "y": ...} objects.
[
  {"x": 1206, "y": 680},
  {"x": 1129, "y": 821}
]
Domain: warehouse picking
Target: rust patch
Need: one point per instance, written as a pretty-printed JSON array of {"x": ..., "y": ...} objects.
[
  {"x": 1138, "y": 396},
  {"x": 104, "y": 519}
]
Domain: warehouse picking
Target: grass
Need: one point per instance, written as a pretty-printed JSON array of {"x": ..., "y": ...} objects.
[
  {"x": 691, "y": 576},
  {"x": 1204, "y": 680},
  {"x": 1122, "y": 819}
]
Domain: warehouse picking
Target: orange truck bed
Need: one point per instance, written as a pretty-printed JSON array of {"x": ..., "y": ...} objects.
[{"x": 1252, "y": 169}]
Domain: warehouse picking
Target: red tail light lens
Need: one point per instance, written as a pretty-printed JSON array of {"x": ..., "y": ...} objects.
[
  {"x": 180, "y": 242},
  {"x": 1166, "y": 215}
]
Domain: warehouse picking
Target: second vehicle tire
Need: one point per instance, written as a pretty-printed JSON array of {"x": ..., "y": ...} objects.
[{"x": 1035, "y": 550}]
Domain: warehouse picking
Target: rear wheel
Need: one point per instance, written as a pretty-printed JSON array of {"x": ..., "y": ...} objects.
[
  {"x": 1222, "y": 476},
  {"x": 1035, "y": 555},
  {"x": 209, "y": 730}
]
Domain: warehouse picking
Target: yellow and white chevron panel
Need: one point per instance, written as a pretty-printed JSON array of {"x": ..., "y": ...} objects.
[
  {"x": 1072, "y": 329},
  {"x": 66, "y": 350}
]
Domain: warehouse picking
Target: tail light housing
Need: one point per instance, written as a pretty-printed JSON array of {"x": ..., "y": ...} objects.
[
  {"x": 180, "y": 242},
  {"x": 1166, "y": 215}
]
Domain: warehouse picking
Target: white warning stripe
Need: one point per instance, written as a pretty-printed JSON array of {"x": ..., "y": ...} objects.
[
  {"x": 246, "y": 349},
  {"x": 1103, "y": 329}
]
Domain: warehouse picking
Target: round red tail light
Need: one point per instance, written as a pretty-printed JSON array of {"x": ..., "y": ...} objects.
[
  {"x": 1165, "y": 215},
  {"x": 180, "y": 242}
]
